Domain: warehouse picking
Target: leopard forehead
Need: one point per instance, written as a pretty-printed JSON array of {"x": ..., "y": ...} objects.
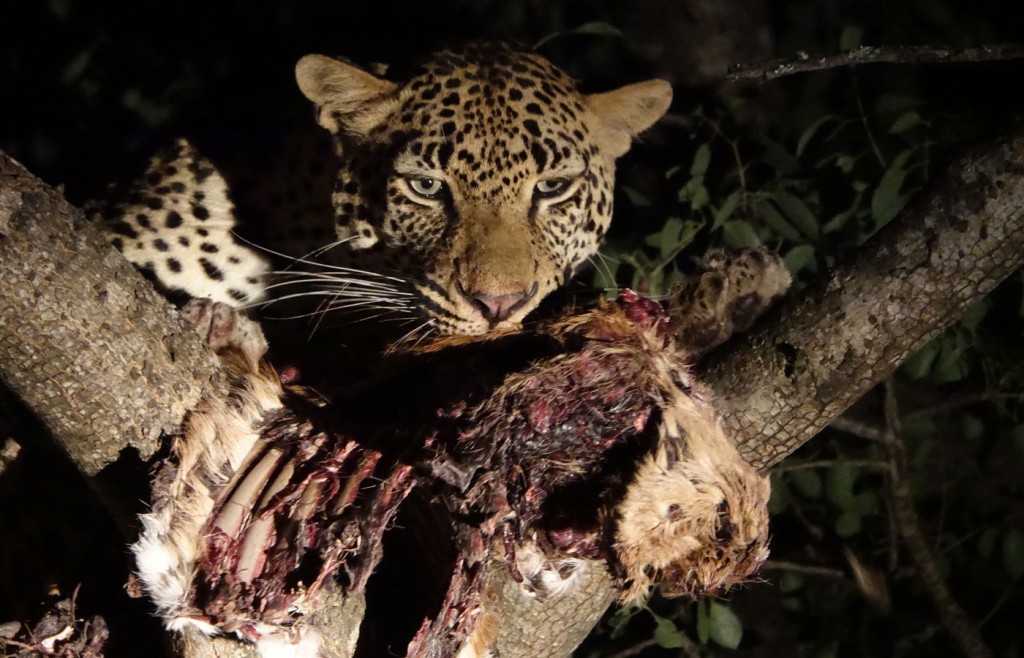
[
  {"x": 479, "y": 116},
  {"x": 493, "y": 129}
]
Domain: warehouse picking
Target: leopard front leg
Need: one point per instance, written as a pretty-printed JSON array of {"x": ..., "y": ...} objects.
[{"x": 725, "y": 296}]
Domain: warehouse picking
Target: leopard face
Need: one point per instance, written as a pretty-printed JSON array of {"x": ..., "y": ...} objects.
[{"x": 482, "y": 181}]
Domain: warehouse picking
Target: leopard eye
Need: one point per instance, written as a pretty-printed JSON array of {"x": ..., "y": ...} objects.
[
  {"x": 429, "y": 188},
  {"x": 547, "y": 189}
]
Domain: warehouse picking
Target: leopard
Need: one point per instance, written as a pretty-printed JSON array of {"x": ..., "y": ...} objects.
[{"x": 460, "y": 195}]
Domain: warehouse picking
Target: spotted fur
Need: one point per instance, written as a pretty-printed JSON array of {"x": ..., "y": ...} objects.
[
  {"x": 478, "y": 184},
  {"x": 485, "y": 178},
  {"x": 177, "y": 223}
]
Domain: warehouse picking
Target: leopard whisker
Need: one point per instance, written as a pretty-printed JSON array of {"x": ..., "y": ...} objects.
[
  {"x": 350, "y": 290},
  {"x": 408, "y": 335},
  {"x": 601, "y": 264},
  {"x": 351, "y": 277},
  {"x": 325, "y": 248},
  {"x": 306, "y": 260}
]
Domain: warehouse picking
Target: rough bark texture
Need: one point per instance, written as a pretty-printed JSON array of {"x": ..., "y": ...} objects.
[
  {"x": 337, "y": 619},
  {"x": 822, "y": 350},
  {"x": 551, "y": 628},
  {"x": 85, "y": 341},
  {"x": 100, "y": 358}
]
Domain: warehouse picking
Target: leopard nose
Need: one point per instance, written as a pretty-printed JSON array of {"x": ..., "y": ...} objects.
[{"x": 498, "y": 307}]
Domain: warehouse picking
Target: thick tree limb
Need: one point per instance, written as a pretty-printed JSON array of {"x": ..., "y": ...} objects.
[
  {"x": 78, "y": 331},
  {"x": 85, "y": 341},
  {"x": 823, "y": 349}
]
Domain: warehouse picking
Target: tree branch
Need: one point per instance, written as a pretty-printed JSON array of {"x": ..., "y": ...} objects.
[
  {"x": 85, "y": 341},
  {"x": 954, "y": 618},
  {"x": 821, "y": 350},
  {"x": 804, "y": 63}
]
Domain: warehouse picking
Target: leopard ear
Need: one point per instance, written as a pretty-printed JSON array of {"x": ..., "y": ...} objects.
[
  {"x": 349, "y": 99},
  {"x": 627, "y": 111}
]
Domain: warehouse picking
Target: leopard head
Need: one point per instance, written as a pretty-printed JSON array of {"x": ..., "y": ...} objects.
[{"x": 483, "y": 180}]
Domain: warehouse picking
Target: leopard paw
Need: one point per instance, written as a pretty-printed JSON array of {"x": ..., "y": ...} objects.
[{"x": 725, "y": 296}]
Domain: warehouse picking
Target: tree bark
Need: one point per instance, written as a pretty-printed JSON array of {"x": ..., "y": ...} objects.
[
  {"x": 85, "y": 341},
  {"x": 821, "y": 350},
  {"x": 107, "y": 364}
]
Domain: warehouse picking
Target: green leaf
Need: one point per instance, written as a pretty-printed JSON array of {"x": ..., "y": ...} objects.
[
  {"x": 799, "y": 258},
  {"x": 807, "y": 482},
  {"x": 727, "y": 208},
  {"x": 919, "y": 365},
  {"x": 887, "y": 202},
  {"x": 726, "y": 628},
  {"x": 866, "y": 503},
  {"x": 905, "y": 122},
  {"x": 777, "y": 157},
  {"x": 774, "y": 220},
  {"x": 620, "y": 620},
  {"x": 666, "y": 634},
  {"x": 845, "y": 163},
  {"x": 840, "y": 219},
  {"x": 595, "y": 28},
  {"x": 703, "y": 621},
  {"x": 810, "y": 131},
  {"x": 152, "y": 113},
  {"x": 673, "y": 278},
  {"x": 675, "y": 235},
  {"x": 655, "y": 284},
  {"x": 701, "y": 159},
  {"x": 636, "y": 197},
  {"x": 848, "y": 523},
  {"x": 839, "y": 483},
  {"x": 695, "y": 193},
  {"x": 950, "y": 366},
  {"x": 1013, "y": 552},
  {"x": 77, "y": 66},
  {"x": 605, "y": 271},
  {"x": 971, "y": 427},
  {"x": 790, "y": 582},
  {"x": 798, "y": 213},
  {"x": 975, "y": 313},
  {"x": 779, "y": 498},
  {"x": 663, "y": 239},
  {"x": 738, "y": 234}
]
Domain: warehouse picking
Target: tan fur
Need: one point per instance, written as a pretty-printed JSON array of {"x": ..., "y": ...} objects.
[
  {"x": 695, "y": 517},
  {"x": 628, "y": 111},
  {"x": 214, "y": 443},
  {"x": 344, "y": 93},
  {"x": 178, "y": 222},
  {"x": 485, "y": 252},
  {"x": 483, "y": 637}
]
